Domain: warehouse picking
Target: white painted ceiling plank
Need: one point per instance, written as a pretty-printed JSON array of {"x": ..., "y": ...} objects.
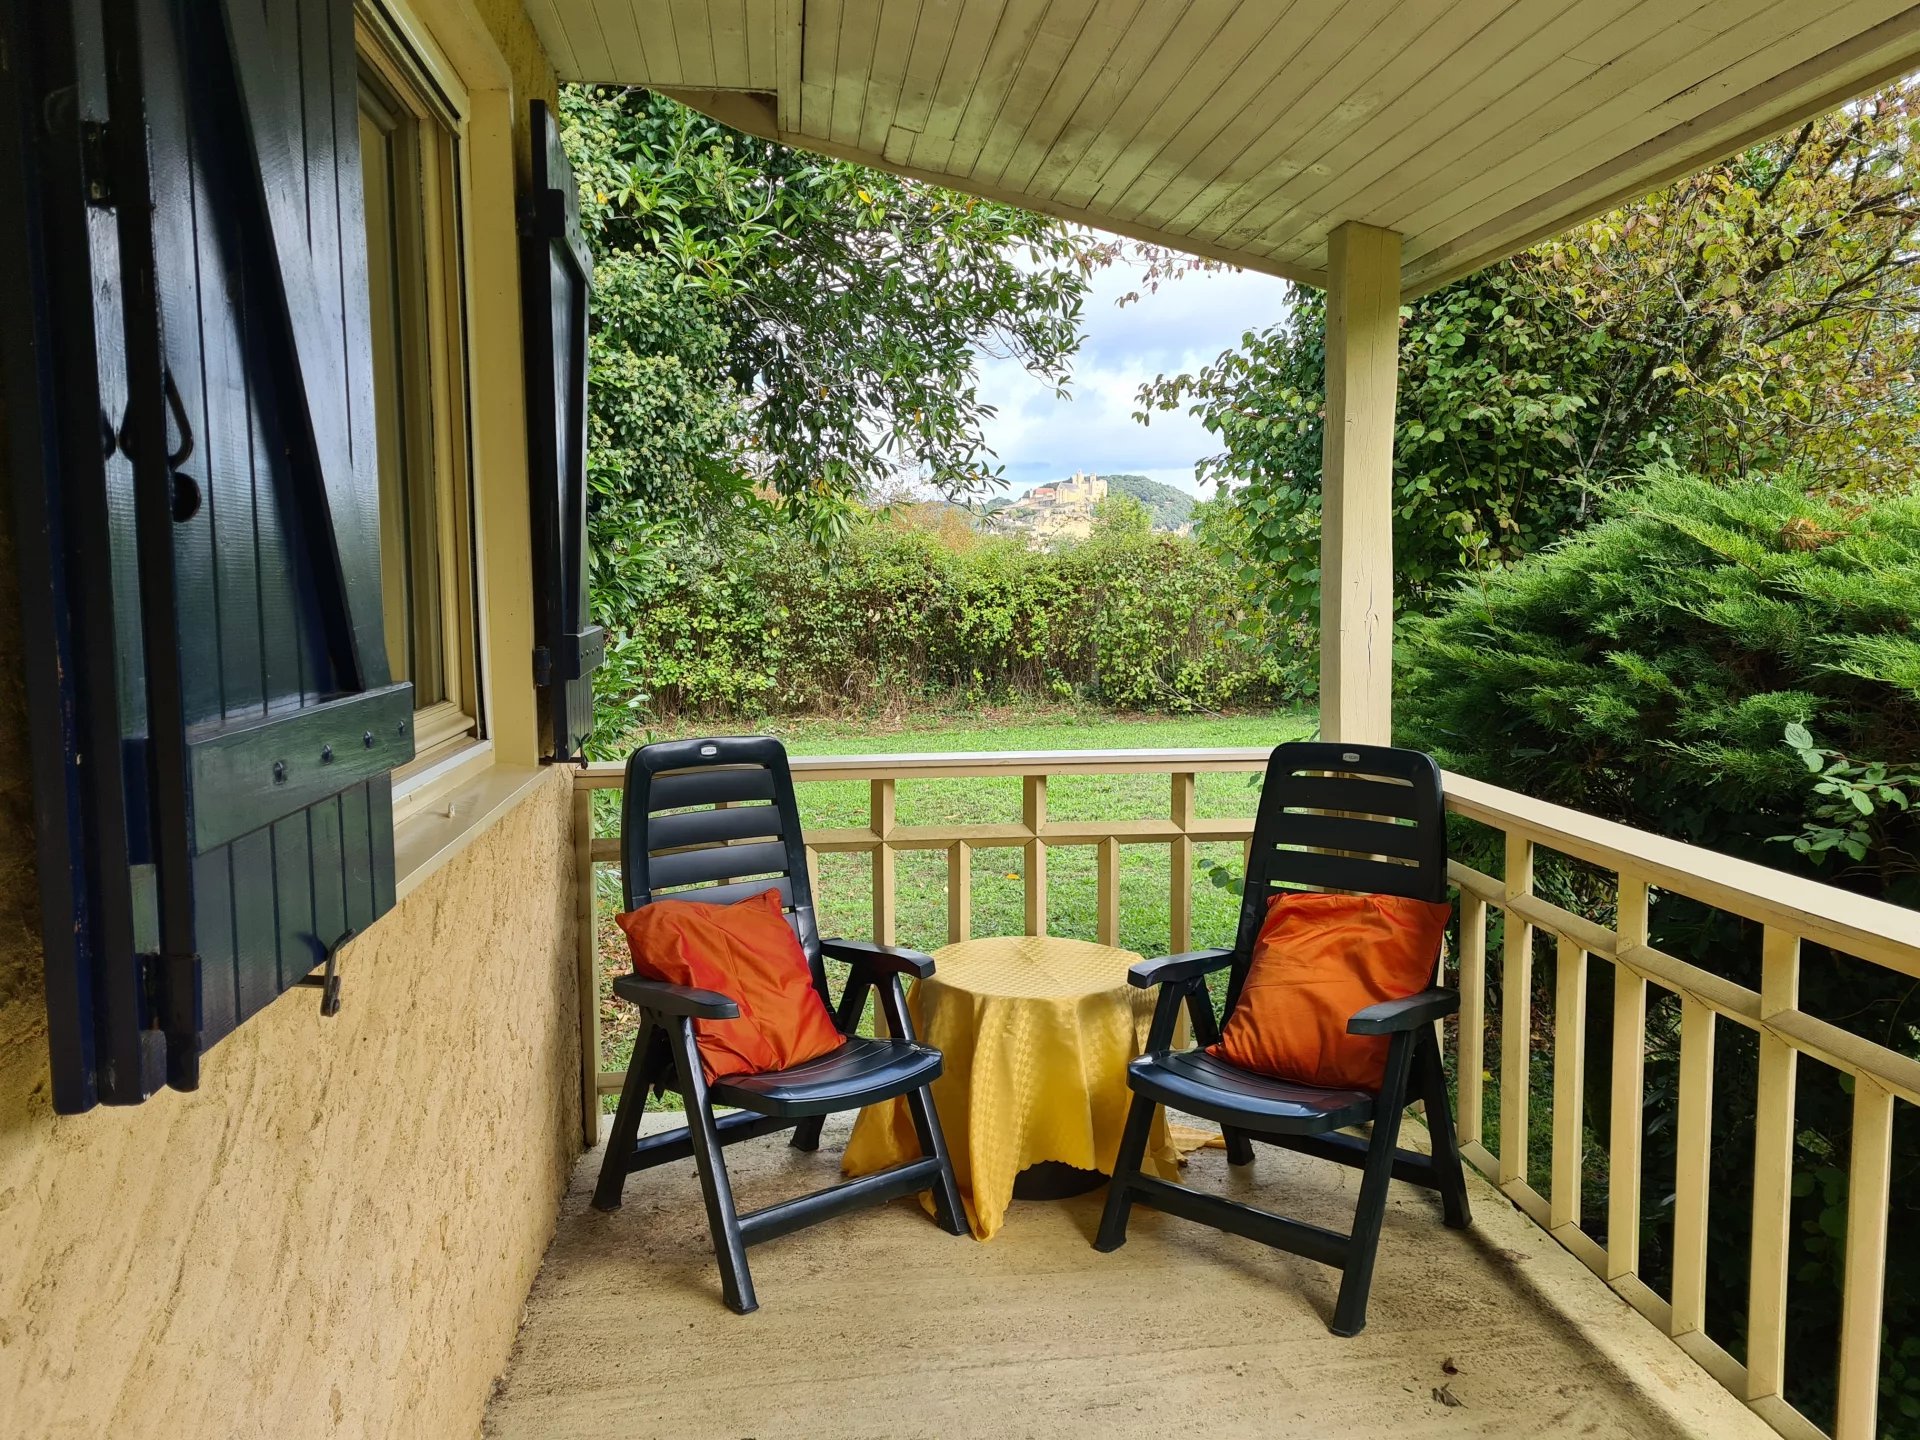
[
  {"x": 1238, "y": 69},
  {"x": 853, "y": 71},
  {"x": 625, "y": 51},
  {"x": 589, "y": 42},
  {"x": 1336, "y": 36},
  {"x": 1579, "y": 136},
  {"x": 892, "y": 47},
  {"x": 1040, "y": 72},
  {"x": 658, "y": 40},
  {"x": 763, "y": 52},
  {"x": 1041, "y": 174},
  {"x": 727, "y": 45},
  {"x": 1512, "y": 43},
  {"x": 960, "y": 73},
  {"x": 1004, "y": 68},
  {"x": 1092, "y": 50},
  {"x": 1776, "y": 104},
  {"x": 552, "y": 30},
  {"x": 819, "y": 67},
  {"x": 926, "y": 58},
  {"x": 1195, "y": 161},
  {"x": 1191, "y": 39}
]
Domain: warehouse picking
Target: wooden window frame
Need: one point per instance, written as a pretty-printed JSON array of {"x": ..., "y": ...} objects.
[{"x": 419, "y": 91}]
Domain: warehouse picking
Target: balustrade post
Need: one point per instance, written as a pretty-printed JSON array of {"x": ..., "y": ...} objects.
[
  {"x": 1470, "y": 1054},
  {"x": 1693, "y": 1174},
  {"x": 1569, "y": 1078},
  {"x": 1108, "y": 886},
  {"x": 1862, "y": 1295},
  {"x": 1033, "y": 805},
  {"x": 959, "y": 892},
  {"x": 1772, "y": 1169},
  {"x": 1628, "y": 1091},
  {"x": 1516, "y": 1015},
  {"x": 881, "y": 805},
  {"x": 1180, "y": 865}
]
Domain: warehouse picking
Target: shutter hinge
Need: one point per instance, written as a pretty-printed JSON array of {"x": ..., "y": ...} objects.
[
  {"x": 542, "y": 666},
  {"x": 95, "y": 165}
]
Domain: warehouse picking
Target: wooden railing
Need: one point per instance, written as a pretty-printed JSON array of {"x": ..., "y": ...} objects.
[{"x": 1792, "y": 910}]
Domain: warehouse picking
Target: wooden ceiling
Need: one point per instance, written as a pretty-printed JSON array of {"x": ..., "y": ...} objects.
[{"x": 1248, "y": 129}]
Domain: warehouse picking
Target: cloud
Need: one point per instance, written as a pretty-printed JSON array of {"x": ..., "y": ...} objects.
[{"x": 1180, "y": 327}]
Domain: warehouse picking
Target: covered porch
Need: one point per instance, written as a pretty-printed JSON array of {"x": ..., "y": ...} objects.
[{"x": 1375, "y": 150}]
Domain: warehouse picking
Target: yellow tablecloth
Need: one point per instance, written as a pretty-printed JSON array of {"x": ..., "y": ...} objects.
[{"x": 1037, "y": 1033}]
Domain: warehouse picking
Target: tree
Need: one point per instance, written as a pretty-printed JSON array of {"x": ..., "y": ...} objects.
[
  {"x": 806, "y": 325},
  {"x": 1762, "y": 312}
]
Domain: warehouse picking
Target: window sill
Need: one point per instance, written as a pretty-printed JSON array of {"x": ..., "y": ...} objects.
[{"x": 437, "y": 830}]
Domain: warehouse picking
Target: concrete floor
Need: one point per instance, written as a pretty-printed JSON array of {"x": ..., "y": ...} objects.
[{"x": 878, "y": 1324}]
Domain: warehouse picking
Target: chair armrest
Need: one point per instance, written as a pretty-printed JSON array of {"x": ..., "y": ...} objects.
[
  {"x": 1189, "y": 966},
  {"x": 877, "y": 959},
  {"x": 1392, "y": 1016},
  {"x": 664, "y": 999}
]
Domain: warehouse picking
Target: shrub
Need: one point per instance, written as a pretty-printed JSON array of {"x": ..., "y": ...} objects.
[
  {"x": 760, "y": 622},
  {"x": 1737, "y": 667}
]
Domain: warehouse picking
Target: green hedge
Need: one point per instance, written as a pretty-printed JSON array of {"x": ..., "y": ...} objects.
[{"x": 759, "y": 622}]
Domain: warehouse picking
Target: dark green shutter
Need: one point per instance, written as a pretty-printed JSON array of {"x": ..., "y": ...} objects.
[
  {"x": 556, "y": 278},
  {"x": 215, "y": 727}
]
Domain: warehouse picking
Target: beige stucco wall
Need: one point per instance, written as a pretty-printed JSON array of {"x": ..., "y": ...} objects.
[{"x": 334, "y": 1235}]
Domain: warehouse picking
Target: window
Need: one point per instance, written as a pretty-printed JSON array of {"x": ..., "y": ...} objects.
[{"x": 410, "y": 160}]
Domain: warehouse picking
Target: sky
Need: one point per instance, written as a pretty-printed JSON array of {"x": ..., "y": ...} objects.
[{"x": 1178, "y": 328}]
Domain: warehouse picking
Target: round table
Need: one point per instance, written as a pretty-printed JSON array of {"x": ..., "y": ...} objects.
[{"x": 1036, "y": 1033}]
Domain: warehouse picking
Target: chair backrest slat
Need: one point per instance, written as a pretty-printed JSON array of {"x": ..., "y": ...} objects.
[
  {"x": 714, "y": 863},
  {"x": 713, "y": 827},
  {"x": 700, "y": 817},
  {"x": 1362, "y": 819}
]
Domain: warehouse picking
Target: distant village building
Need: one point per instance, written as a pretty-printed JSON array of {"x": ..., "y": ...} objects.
[{"x": 1062, "y": 510}]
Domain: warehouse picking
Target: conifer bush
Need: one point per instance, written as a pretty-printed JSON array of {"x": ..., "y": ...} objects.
[{"x": 1738, "y": 667}]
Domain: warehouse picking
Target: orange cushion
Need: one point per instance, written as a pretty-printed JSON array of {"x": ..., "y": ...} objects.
[
  {"x": 747, "y": 952},
  {"x": 1318, "y": 961}
]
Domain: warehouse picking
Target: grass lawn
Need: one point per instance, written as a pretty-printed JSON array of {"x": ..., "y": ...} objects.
[{"x": 846, "y": 881}]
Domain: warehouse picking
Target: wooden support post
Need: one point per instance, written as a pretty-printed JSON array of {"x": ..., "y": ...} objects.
[
  {"x": 1694, "y": 1172},
  {"x": 1470, "y": 1060},
  {"x": 1033, "y": 806},
  {"x": 885, "y": 891},
  {"x": 1772, "y": 1170},
  {"x": 1180, "y": 866},
  {"x": 1108, "y": 885},
  {"x": 1516, "y": 1015},
  {"x": 1628, "y": 1091},
  {"x": 587, "y": 967},
  {"x": 1356, "y": 509},
  {"x": 959, "y": 892},
  {"x": 1862, "y": 1295},
  {"x": 1569, "y": 1081}
]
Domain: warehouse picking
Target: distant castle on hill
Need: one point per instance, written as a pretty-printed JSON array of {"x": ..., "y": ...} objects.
[{"x": 1061, "y": 510}]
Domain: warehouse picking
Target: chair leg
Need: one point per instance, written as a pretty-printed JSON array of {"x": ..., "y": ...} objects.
[
  {"x": 723, "y": 1220},
  {"x": 948, "y": 1212},
  {"x": 1350, "y": 1310},
  {"x": 806, "y": 1135},
  {"x": 1126, "y": 1169},
  {"x": 1239, "y": 1147},
  {"x": 626, "y": 1119},
  {"x": 1452, "y": 1178}
]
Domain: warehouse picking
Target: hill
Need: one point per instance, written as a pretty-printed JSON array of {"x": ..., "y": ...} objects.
[{"x": 1170, "y": 508}]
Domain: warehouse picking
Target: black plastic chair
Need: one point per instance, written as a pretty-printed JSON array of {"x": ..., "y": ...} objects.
[
  {"x": 699, "y": 815},
  {"x": 1355, "y": 818}
]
